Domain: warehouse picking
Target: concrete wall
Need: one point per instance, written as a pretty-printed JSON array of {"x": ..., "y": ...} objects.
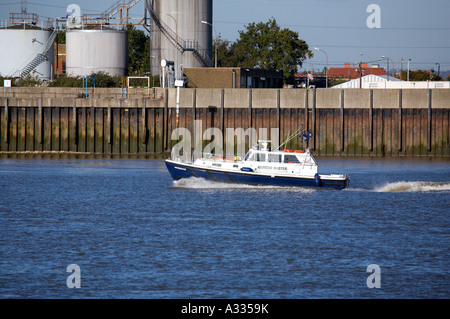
[
  {"x": 63, "y": 92},
  {"x": 344, "y": 122},
  {"x": 324, "y": 98},
  {"x": 260, "y": 98}
]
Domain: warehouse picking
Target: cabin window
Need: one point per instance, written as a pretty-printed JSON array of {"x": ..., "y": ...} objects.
[
  {"x": 249, "y": 154},
  {"x": 291, "y": 159},
  {"x": 260, "y": 157},
  {"x": 275, "y": 158}
]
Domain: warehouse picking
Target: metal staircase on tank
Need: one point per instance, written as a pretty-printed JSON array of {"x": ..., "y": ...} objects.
[
  {"x": 182, "y": 45},
  {"x": 40, "y": 57}
]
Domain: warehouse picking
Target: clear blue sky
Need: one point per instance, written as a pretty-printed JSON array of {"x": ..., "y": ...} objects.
[{"x": 411, "y": 29}]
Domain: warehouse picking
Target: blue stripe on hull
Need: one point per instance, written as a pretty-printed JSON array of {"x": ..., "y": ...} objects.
[{"x": 179, "y": 171}]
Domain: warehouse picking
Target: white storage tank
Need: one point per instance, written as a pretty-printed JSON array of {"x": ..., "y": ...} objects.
[
  {"x": 95, "y": 50},
  {"x": 19, "y": 46},
  {"x": 182, "y": 20}
]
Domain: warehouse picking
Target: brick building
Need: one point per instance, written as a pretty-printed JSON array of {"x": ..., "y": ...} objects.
[
  {"x": 349, "y": 72},
  {"x": 59, "y": 65}
]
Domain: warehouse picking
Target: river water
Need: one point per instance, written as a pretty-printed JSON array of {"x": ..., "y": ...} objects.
[{"x": 134, "y": 233}]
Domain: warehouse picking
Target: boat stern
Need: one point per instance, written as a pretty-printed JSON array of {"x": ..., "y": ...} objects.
[{"x": 335, "y": 181}]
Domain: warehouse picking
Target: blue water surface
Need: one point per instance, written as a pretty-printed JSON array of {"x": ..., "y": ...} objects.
[{"x": 135, "y": 233}]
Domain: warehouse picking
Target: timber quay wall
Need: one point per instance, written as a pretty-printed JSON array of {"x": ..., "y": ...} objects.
[{"x": 348, "y": 122}]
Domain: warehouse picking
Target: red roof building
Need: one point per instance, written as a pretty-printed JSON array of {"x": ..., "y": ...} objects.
[{"x": 353, "y": 72}]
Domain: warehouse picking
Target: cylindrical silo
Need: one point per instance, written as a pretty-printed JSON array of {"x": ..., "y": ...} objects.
[
  {"x": 20, "y": 46},
  {"x": 177, "y": 28},
  {"x": 95, "y": 50}
]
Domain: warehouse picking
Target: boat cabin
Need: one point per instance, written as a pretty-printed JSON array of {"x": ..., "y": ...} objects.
[{"x": 262, "y": 153}]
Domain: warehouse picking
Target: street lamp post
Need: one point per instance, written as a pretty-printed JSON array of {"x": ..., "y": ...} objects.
[
  {"x": 439, "y": 68},
  {"x": 366, "y": 56},
  {"x": 215, "y": 42},
  {"x": 176, "y": 63},
  {"x": 326, "y": 55}
]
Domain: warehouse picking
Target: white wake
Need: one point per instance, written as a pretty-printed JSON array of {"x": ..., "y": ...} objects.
[
  {"x": 415, "y": 187},
  {"x": 203, "y": 184}
]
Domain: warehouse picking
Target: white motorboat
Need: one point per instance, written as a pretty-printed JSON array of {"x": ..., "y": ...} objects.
[{"x": 260, "y": 166}]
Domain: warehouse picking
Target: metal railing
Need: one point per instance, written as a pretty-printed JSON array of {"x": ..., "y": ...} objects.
[
  {"x": 182, "y": 45},
  {"x": 30, "y": 19},
  {"x": 118, "y": 6},
  {"x": 104, "y": 17}
]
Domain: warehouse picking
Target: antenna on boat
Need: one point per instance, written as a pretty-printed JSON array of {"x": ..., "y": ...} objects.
[
  {"x": 306, "y": 136},
  {"x": 290, "y": 137}
]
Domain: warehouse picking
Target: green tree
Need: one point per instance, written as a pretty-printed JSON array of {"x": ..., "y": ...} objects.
[
  {"x": 138, "y": 51},
  {"x": 29, "y": 80},
  {"x": 102, "y": 79},
  {"x": 267, "y": 46},
  {"x": 61, "y": 37},
  {"x": 420, "y": 75},
  {"x": 224, "y": 53}
]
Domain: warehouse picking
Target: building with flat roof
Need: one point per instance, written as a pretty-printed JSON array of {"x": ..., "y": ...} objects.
[{"x": 232, "y": 78}]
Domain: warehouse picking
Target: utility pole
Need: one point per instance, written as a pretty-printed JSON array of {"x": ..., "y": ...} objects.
[
  {"x": 409, "y": 60},
  {"x": 360, "y": 75},
  {"x": 387, "y": 59}
]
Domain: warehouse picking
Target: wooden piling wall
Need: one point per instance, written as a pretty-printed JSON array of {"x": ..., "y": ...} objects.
[{"x": 390, "y": 123}]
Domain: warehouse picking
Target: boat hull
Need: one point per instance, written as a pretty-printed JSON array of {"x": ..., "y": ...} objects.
[{"x": 181, "y": 170}]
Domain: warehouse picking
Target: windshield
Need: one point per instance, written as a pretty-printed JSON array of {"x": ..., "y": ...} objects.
[{"x": 291, "y": 159}]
